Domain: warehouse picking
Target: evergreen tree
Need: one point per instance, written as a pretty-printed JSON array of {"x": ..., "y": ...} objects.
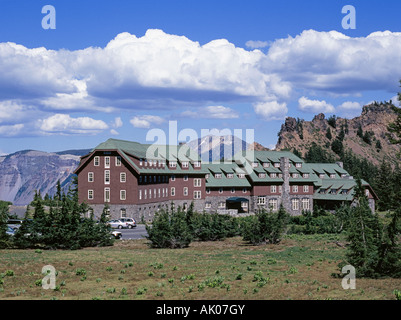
[
  {"x": 4, "y": 237},
  {"x": 328, "y": 134}
]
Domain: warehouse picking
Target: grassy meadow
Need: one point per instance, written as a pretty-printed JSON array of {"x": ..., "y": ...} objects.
[{"x": 300, "y": 267}]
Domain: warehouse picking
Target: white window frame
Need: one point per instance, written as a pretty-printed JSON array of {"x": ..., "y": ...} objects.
[
  {"x": 273, "y": 188},
  {"x": 91, "y": 177},
  {"x": 107, "y": 195},
  {"x": 221, "y": 190},
  {"x": 197, "y": 164},
  {"x": 261, "y": 200},
  {"x": 273, "y": 204},
  {"x": 107, "y": 177},
  {"x": 295, "y": 204},
  {"x": 96, "y": 161},
  {"x": 197, "y": 194},
  {"x": 173, "y": 164},
  {"x": 140, "y": 194},
  {"x": 123, "y": 177},
  {"x": 172, "y": 192},
  {"x": 185, "y": 164},
  {"x": 197, "y": 182},
  {"x": 107, "y": 162},
  {"x": 305, "y": 204},
  {"x": 185, "y": 178},
  {"x": 208, "y": 205},
  {"x": 306, "y": 188},
  {"x": 222, "y": 205},
  {"x": 185, "y": 191},
  {"x": 123, "y": 195},
  {"x": 295, "y": 189},
  {"x": 118, "y": 161},
  {"x": 90, "y": 194}
]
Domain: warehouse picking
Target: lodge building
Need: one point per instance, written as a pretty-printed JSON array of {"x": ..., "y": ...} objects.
[{"x": 135, "y": 184}]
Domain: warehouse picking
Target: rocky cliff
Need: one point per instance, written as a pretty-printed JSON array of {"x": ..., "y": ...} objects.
[
  {"x": 23, "y": 172},
  {"x": 365, "y": 135}
]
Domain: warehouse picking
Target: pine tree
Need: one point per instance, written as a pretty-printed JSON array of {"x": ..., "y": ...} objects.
[{"x": 4, "y": 237}]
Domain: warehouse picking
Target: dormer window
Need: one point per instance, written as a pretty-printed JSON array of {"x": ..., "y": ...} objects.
[
  {"x": 321, "y": 176},
  {"x": 273, "y": 175},
  {"x": 241, "y": 175},
  {"x": 230, "y": 175},
  {"x": 266, "y": 164},
  {"x": 333, "y": 191},
  {"x": 295, "y": 175},
  {"x": 254, "y": 164},
  {"x": 173, "y": 164},
  {"x": 185, "y": 164},
  {"x": 298, "y": 165},
  {"x": 332, "y": 176},
  {"x": 277, "y": 164},
  {"x": 262, "y": 175},
  {"x": 305, "y": 175},
  {"x": 197, "y": 164},
  {"x": 217, "y": 175}
]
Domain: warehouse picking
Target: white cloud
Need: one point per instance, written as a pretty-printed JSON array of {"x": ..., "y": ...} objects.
[
  {"x": 212, "y": 112},
  {"x": 10, "y": 131},
  {"x": 315, "y": 106},
  {"x": 336, "y": 63},
  {"x": 271, "y": 110},
  {"x": 146, "y": 121},
  {"x": 349, "y": 105},
  {"x": 256, "y": 44},
  {"x": 118, "y": 123},
  {"x": 64, "y": 124},
  {"x": 114, "y": 132}
]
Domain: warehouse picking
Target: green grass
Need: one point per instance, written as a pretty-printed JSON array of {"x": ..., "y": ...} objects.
[{"x": 300, "y": 267}]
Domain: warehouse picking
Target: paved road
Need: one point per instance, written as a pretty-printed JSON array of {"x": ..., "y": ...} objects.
[{"x": 136, "y": 233}]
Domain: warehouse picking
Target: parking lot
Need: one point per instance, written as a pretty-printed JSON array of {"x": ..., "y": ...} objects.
[{"x": 139, "y": 232}]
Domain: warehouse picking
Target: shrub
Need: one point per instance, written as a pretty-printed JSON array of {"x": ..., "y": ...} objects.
[{"x": 265, "y": 227}]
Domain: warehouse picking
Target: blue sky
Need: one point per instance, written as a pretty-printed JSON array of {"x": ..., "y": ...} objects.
[{"x": 121, "y": 68}]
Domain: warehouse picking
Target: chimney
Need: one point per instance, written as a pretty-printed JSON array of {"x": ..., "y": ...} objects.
[
  {"x": 340, "y": 164},
  {"x": 285, "y": 196}
]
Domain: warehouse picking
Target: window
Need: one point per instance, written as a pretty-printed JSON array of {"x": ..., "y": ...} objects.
[
  {"x": 150, "y": 193},
  {"x": 185, "y": 178},
  {"x": 97, "y": 161},
  {"x": 273, "y": 189},
  {"x": 277, "y": 164},
  {"x": 173, "y": 164},
  {"x": 220, "y": 190},
  {"x": 230, "y": 175},
  {"x": 123, "y": 195},
  {"x": 140, "y": 162},
  {"x": 273, "y": 175},
  {"x": 123, "y": 213},
  {"x": 90, "y": 194},
  {"x": 90, "y": 176},
  {"x": 197, "y": 164},
  {"x": 321, "y": 176},
  {"x": 273, "y": 204},
  {"x": 306, "y": 189},
  {"x": 332, "y": 176},
  {"x": 222, "y": 205},
  {"x": 305, "y": 175},
  {"x": 107, "y": 162},
  {"x": 241, "y": 175},
  {"x": 197, "y": 182},
  {"x": 197, "y": 194},
  {"x": 295, "y": 204},
  {"x": 295, "y": 175},
  {"x": 217, "y": 175},
  {"x": 154, "y": 193},
  {"x": 266, "y": 164},
  {"x": 305, "y": 204},
  {"x": 254, "y": 164},
  {"x": 244, "y": 204},
  {"x": 185, "y": 164},
  {"x": 150, "y": 162},
  {"x": 261, "y": 200},
  {"x": 344, "y": 191},
  {"x": 172, "y": 178},
  {"x": 298, "y": 165},
  {"x": 208, "y": 205},
  {"x": 185, "y": 191},
  {"x": 207, "y": 176},
  {"x": 107, "y": 195},
  {"x": 118, "y": 161},
  {"x": 262, "y": 175},
  {"x": 107, "y": 176},
  {"x": 295, "y": 189},
  {"x": 367, "y": 192},
  {"x": 140, "y": 194},
  {"x": 244, "y": 190},
  {"x": 333, "y": 191},
  {"x": 232, "y": 190},
  {"x": 173, "y": 192},
  {"x": 280, "y": 189},
  {"x": 185, "y": 206},
  {"x": 123, "y": 177}
]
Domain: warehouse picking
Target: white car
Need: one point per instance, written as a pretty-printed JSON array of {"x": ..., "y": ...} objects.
[
  {"x": 116, "y": 234},
  {"x": 131, "y": 222},
  {"x": 117, "y": 224}
]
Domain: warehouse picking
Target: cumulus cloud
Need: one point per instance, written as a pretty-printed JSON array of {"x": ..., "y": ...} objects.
[
  {"x": 12, "y": 130},
  {"x": 256, "y": 44},
  {"x": 63, "y": 123},
  {"x": 271, "y": 110},
  {"x": 212, "y": 112},
  {"x": 315, "y": 106},
  {"x": 146, "y": 121},
  {"x": 336, "y": 63}
]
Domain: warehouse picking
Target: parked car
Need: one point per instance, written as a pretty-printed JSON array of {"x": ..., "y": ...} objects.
[
  {"x": 116, "y": 234},
  {"x": 117, "y": 224},
  {"x": 10, "y": 231},
  {"x": 131, "y": 222},
  {"x": 14, "y": 223}
]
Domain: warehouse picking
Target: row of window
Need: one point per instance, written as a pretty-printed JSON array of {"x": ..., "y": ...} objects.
[
  {"x": 273, "y": 189},
  {"x": 107, "y": 161},
  {"x": 295, "y": 203},
  {"x": 276, "y": 164}
]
